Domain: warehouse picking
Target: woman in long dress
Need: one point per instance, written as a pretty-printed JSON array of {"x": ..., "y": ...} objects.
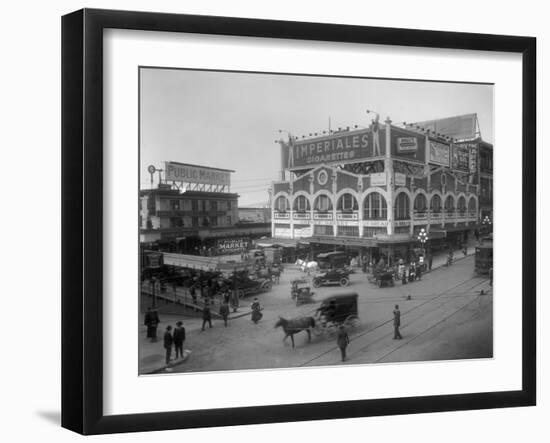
[{"x": 256, "y": 311}]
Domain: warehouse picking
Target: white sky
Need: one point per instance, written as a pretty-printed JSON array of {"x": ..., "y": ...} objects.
[{"x": 231, "y": 120}]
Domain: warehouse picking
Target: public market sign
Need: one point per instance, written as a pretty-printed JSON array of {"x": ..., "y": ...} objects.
[{"x": 181, "y": 172}]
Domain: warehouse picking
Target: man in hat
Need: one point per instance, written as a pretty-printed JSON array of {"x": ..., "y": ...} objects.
[
  {"x": 342, "y": 341},
  {"x": 224, "y": 311},
  {"x": 396, "y": 323},
  {"x": 152, "y": 321},
  {"x": 206, "y": 317},
  {"x": 168, "y": 343},
  {"x": 179, "y": 338}
]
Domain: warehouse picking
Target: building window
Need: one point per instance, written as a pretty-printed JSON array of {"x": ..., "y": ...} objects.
[
  {"x": 195, "y": 206},
  {"x": 472, "y": 207},
  {"x": 195, "y": 222},
  {"x": 323, "y": 203},
  {"x": 213, "y": 221},
  {"x": 301, "y": 204},
  {"x": 205, "y": 222},
  {"x": 347, "y": 203},
  {"x": 151, "y": 205},
  {"x": 176, "y": 222},
  {"x": 175, "y": 205},
  {"x": 323, "y": 230},
  {"x": 373, "y": 232},
  {"x": 206, "y": 205},
  {"x": 281, "y": 204},
  {"x": 375, "y": 207},
  {"x": 420, "y": 203},
  {"x": 229, "y": 205},
  {"x": 461, "y": 205},
  {"x": 435, "y": 204},
  {"x": 449, "y": 205},
  {"x": 214, "y": 206},
  {"x": 402, "y": 207},
  {"x": 228, "y": 220},
  {"x": 349, "y": 231}
]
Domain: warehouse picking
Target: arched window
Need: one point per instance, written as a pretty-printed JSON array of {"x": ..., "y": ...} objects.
[
  {"x": 347, "y": 203},
  {"x": 461, "y": 205},
  {"x": 402, "y": 207},
  {"x": 449, "y": 205},
  {"x": 282, "y": 204},
  {"x": 472, "y": 206},
  {"x": 301, "y": 204},
  {"x": 322, "y": 203},
  {"x": 435, "y": 204},
  {"x": 375, "y": 207},
  {"x": 420, "y": 203}
]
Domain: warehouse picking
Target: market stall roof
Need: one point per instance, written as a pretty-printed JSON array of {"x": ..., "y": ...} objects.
[
  {"x": 343, "y": 241},
  {"x": 284, "y": 242}
]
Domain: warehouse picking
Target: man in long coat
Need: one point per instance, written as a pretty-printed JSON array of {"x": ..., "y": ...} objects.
[
  {"x": 168, "y": 343},
  {"x": 396, "y": 323},
  {"x": 152, "y": 321},
  {"x": 179, "y": 338},
  {"x": 342, "y": 341}
]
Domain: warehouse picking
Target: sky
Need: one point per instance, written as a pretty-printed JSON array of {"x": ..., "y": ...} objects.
[{"x": 231, "y": 120}]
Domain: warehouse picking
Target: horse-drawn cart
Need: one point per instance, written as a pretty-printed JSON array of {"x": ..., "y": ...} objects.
[{"x": 340, "y": 309}]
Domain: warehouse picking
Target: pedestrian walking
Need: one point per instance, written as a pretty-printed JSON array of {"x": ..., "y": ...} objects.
[
  {"x": 168, "y": 343},
  {"x": 206, "y": 316},
  {"x": 193, "y": 293},
  {"x": 396, "y": 323},
  {"x": 224, "y": 312},
  {"x": 235, "y": 300},
  {"x": 430, "y": 261},
  {"x": 152, "y": 321},
  {"x": 342, "y": 341},
  {"x": 256, "y": 315},
  {"x": 419, "y": 272},
  {"x": 179, "y": 338}
]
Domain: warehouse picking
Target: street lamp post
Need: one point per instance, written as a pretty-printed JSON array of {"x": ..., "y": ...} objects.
[
  {"x": 486, "y": 223},
  {"x": 423, "y": 238}
]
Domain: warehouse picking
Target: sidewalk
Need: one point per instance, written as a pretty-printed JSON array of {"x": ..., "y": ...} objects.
[{"x": 152, "y": 357}]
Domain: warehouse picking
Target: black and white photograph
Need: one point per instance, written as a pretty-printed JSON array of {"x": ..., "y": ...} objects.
[{"x": 295, "y": 221}]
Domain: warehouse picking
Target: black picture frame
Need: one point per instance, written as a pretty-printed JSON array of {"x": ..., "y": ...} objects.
[{"x": 82, "y": 190}]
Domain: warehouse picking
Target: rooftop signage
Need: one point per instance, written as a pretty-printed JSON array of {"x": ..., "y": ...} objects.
[
  {"x": 182, "y": 172},
  {"x": 341, "y": 147}
]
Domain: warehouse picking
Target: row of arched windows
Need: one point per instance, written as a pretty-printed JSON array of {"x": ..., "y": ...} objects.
[{"x": 375, "y": 207}]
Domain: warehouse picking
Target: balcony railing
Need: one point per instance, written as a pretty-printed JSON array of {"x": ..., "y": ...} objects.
[
  {"x": 301, "y": 215},
  {"x": 281, "y": 215},
  {"x": 322, "y": 215},
  {"x": 420, "y": 215},
  {"x": 351, "y": 215}
]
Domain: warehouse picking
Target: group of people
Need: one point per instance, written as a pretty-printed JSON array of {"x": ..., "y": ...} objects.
[{"x": 174, "y": 340}]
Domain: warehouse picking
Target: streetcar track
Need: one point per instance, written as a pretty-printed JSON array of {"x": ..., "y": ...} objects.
[
  {"x": 444, "y": 293},
  {"x": 426, "y": 330}
]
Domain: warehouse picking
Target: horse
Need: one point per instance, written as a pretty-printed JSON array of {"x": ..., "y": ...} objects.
[
  {"x": 295, "y": 325},
  {"x": 307, "y": 266}
]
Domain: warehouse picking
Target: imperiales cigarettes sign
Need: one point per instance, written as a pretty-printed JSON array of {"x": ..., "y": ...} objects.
[
  {"x": 336, "y": 148},
  {"x": 181, "y": 172}
]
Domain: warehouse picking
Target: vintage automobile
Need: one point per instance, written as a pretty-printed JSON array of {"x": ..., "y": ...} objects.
[
  {"x": 384, "y": 277},
  {"x": 331, "y": 277},
  {"x": 301, "y": 292}
]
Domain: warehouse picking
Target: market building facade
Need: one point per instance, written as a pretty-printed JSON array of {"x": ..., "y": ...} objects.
[
  {"x": 373, "y": 189},
  {"x": 192, "y": 211}
]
